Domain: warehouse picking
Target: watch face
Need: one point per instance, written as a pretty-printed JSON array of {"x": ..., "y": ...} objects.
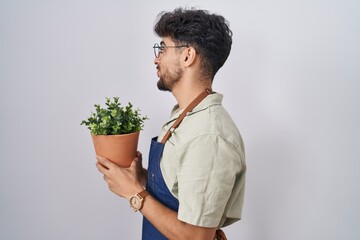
[{"x": 135, "y": 202}]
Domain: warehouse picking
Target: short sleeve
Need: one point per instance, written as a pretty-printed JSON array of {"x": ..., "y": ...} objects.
[{"x": 206, "y": 175}]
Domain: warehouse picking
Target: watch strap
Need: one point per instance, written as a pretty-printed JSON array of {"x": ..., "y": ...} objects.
[{"x": 143, "y": 194}]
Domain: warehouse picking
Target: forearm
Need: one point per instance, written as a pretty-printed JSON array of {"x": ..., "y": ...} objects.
[
  {"x": 125, "y": 182},
  {"x": 166, "y": 221}
]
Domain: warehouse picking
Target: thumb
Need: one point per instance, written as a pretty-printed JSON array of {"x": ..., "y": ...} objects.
[
  {"x": 135, "y": 162},
  {"x": 139, "y": 156}
]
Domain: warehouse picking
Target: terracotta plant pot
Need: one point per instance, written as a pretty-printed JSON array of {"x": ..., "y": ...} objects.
[{"x": 120, "y": 149}]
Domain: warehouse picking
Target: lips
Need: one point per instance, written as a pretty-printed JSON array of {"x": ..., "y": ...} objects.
[{"x": 158, "y": 71}]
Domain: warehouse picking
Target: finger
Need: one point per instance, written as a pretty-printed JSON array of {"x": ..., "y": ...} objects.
[
  {"x": 101, "y": 168},
  {"x": 106, "y": 163}
]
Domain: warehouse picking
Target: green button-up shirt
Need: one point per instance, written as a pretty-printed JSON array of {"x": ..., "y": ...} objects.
[{"x": 203, "y": 165}]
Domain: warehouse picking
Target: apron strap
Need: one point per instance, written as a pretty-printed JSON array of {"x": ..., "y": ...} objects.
[{"x": 189, "y": 108}]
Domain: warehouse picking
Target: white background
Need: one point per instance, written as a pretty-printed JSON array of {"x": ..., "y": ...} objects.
[{"x": 291, "y": 84}]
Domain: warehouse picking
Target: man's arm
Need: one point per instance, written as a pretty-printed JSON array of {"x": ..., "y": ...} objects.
[
  {"x": 125, "y": 182},
  {"x": 165, "y": 220}
]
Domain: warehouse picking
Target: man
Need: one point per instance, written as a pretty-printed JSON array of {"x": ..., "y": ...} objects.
[{"x": 196, "y": 176}]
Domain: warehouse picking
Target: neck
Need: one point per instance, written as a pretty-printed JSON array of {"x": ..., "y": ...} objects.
[{"x": 186, "y": 93}]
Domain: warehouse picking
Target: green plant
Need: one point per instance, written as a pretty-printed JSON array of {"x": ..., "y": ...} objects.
[{"x": 114, "y": 119}]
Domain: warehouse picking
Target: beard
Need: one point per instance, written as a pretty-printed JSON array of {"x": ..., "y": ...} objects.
[{"x": 168, "y": 79}]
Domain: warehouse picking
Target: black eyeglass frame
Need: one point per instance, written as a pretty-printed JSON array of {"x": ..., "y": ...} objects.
[{"x": 158, "y": 48}]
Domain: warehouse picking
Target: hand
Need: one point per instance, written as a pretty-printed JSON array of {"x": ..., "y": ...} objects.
[{"x": 125, "y": 182}]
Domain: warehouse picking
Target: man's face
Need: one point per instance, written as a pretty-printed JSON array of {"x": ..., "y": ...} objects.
[{"x": 168, "y": 66}]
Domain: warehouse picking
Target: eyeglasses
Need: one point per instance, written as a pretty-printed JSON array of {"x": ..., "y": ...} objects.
[{"x": 160, "y": 48}]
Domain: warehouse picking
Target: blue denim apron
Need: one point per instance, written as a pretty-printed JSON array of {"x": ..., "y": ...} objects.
[
  {"x": 155, "y": 183},
  {"x": 157, "y": 188}
]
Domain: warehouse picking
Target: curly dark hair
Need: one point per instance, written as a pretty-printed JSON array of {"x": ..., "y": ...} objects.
[{"x": 209, "y": 34}]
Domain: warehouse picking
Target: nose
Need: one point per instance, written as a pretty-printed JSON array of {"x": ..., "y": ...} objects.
[{"x": 156, "y": 60}]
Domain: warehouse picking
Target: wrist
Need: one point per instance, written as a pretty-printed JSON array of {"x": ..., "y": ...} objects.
[
  {"x": 137, "y": 201},
  {"x": 138, "y": 188}
]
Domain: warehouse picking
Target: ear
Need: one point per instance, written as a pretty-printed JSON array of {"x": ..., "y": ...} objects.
[{"x": 188, "y": 57}]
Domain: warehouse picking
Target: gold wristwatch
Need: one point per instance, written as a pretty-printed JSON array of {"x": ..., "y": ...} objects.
[{"x": 137, "y": 201}]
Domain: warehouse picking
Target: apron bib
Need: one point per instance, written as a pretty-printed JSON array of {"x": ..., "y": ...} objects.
[{"x": 157, "y": 188}]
